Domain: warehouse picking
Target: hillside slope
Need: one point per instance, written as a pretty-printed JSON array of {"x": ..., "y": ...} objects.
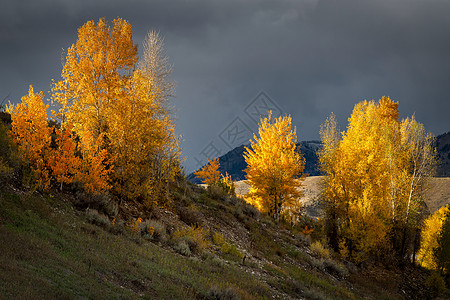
[{"x": 52, "y": 250}]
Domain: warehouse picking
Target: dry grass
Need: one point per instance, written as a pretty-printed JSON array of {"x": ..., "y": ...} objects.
[{"x": 438, "y": 193}]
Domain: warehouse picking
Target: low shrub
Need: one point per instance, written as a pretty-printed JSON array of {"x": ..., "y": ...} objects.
[
  {"x": 117, "y": 227},
  {"x": 227, "y": 185},
  {"x": 102, "y": 202},
  {"x": 436, "y": 284},
  {"x": 194, "y": 237},
  {"x": 217, "y": 192},
  {"x": 226, "y": 248},
  {"x": 191, "y": 216},
  {"x": 250, "y": 210},
  {"x": 154, "y": 230},
  {"x": 94, "y": 217},
  {"x": 239, "y": 214},
  {"x": 336, "y": 268},
  {"x": 305, "y": 240},
  {"x": 6, "y": 172},
  {"x": 216, "y": 293},
  {"x": 318, "y": 249},
  {"x": 183, "y": 248}
]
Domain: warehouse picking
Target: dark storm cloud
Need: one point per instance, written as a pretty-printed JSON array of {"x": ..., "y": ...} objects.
[{"x": 311, "y": 57}]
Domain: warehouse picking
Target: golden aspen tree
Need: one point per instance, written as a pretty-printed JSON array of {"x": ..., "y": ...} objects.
[
  {"x": 210, "y": 173},
  {"x": 31, "y": 133},
  {"x": 120, "y": 106},
  {"x": 97, "y": 70},
  {"x": 274, "y": 166},
  {"x": 366, "y": 189},
  {"x": 431, "y": 228},
  {"x": 137, "y": 135},
  {"x": 64, "y": 163}
]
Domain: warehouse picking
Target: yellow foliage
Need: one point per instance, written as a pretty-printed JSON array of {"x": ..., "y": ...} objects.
[
  {"x": 195, "y": 236},
  {"x": 32, "y": 135},
  {"x": 96, "y": 166},
  {"x": 64, "y": 163},
  {"x": 119, "y": 111},
  {"x": 135, "y": 225},
  {"x": 430, "y": 232},
  {"x": 371, "y": 190},
  {"x": 210, "y": 173},
  {"x": 273, "y": 167}
]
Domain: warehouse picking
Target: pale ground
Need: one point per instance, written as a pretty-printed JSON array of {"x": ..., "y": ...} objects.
[
  {"x": 438, "y": 193},
  {"x": 310, "y": 189},
  {"x": 436, "y": 196}
]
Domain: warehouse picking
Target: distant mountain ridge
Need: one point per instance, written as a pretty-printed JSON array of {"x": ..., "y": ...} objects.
[
  {"x": 443, "y": 151},
  {"x": 234, "y": 164}
]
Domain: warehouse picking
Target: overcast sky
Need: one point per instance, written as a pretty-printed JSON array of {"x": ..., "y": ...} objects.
[{"x": 234, "y": 58}]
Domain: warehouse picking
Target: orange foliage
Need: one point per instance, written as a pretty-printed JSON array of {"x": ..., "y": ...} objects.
[
  {"x": 210, "y": 173},
  {"x": 65, "y": 165},
  {"x": 32, "y": 135}
]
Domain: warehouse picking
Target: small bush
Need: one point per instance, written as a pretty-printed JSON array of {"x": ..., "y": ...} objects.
[
  {"x": 183, "y": 248},
  {"x": 227, "y": 185},
  {"x": 94, "y": 217},
  {"x": 216, "y": 293},
  {"x": 251, "y": 211},
  {"x": 436, "y": 284},
  {"x": 217, "y": 261},
  {"x": 317, "y": 263},
  {"x": 194, "y": 237},
  {"x": 6, "y": 172},
  {"x": 216, "y": 192},
  {"x": 102, "y": 202},
  {"x": 239, "y": 214},
  {"x": 190, "y": 215},
  {"x": 226, "y": 247},
  {"x": 336, "y": 268},
  {"x": 154, "y": 230},
  {"x": 118, "y": 227},
  {"x": 305, "y": 240},
  {"x": 313, "y": 294},
  {"x": 320, "y": 250}
]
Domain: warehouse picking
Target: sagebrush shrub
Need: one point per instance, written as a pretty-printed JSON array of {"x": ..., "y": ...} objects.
[{"x": 194, "y": 237}]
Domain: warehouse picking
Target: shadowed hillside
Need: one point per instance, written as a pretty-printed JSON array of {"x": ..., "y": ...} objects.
[{"x": 205, "y": 246}]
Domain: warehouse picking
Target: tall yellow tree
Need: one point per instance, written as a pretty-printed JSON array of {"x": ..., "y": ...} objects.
[
  {"x": 367, "y": 190},
  {"x": 274, "y": 166},
  {"x": 31, "y": 133},
  {"x": 143, "y": 135},
  {"x": 97, "y": 71},
  {"x": 119, "y": 108}
]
